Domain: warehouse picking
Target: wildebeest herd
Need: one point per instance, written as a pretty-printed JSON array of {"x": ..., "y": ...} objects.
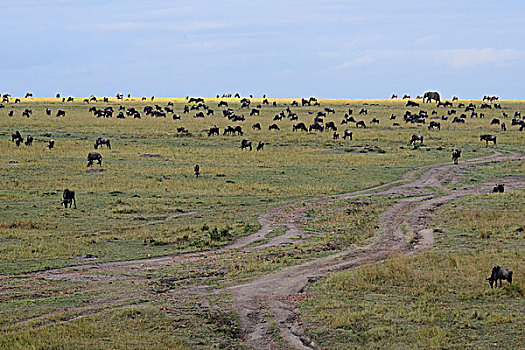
[{"x": 312, "y": 122}]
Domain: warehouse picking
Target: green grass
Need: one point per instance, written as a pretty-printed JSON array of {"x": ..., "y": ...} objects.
[{"x": 143, "y": 205}]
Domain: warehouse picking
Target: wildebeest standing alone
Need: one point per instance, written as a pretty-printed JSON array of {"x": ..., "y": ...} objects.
[
  {"x": 29, "y": 140},
  {"x": 102, "y": 141},
  {"x": 92, "y": 156},
  {"x": 260, "y": 146},
  {"x": 51, "y": 144},
  {"x": 416, "y": 137},
  {"x": 68, "y": 197},
  {"x": 488, "y": 138},
  {"x": 455, "y": 155},
  {"x": 499, "y": 273},
  {"x": 246, "y": 144},
  {"x": 196, "y": 170}
]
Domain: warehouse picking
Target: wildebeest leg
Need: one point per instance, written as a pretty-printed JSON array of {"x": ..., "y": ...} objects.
[{"x": 75, "y": 201}]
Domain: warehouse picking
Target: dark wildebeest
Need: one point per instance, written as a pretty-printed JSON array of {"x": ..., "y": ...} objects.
[
  {"x": 48, "y": 111},
  {"x": 197, "y": 170},
  {"x": 330, "y": 126},
  {"x": 260, "y": 146},
  {"x": 16, "y": 136},
  {"x": 329, "y": 110},
  {"x": 316, "y": 126},
  {"x": 499, "y": 188},
  {"x": 505, "y": 114},
  {"x": 360, "y": 123},
  {"x": 503, "y": 127},
  {"x": 416, "y": 137},
  {"x": 299, "y": 126},
  {"x": 11, "y": 113},
  {"x": 29, "y": 140},
  {"x": 182, "y": 130},
  {"x": 431, "y": 95},
  {"x": 347, "y": 133},
  {"x": 394, "y": 96},
  {"x": 256, "y": 126},
  {"x": 488, "y": 138},
  {"x": 374, "y": 120},
  {"x": 51, "y": 144},
  {"x": 222, "y": 103},
  {"x": 92, "y": 156},
  {"x": 336, "y": 135},
  {"x": 458, "y": 120},
  {"x": 363, "y": 111},
  {"x": 412, "y": 104},
  {"x": 61, "y": 113},
  {"x": 406, "y": 96},
  {"x": 27, "y": 113},
  {"x": 246, "y": 144},
  {"x": 102, "y": 141},
  {"x": 499, "y": 273},
  {"x": 237, "y": 129},
  {"x": 455, "y": 155},
  {"x": 274, "y": 127},
  {"x": 254, "y": 112},
  {"x": 393, "y": 116},
  {"x": 68, "y": 197},
  {"x": 213, "y": 130},
  {"x": 434, "y": 124}
]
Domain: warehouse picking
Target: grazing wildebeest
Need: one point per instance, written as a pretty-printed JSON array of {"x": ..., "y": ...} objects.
[
  {"x": 260, "y": 146},
  {"x": 197, "y": 170},
  {"x": 222, "y": 103},
  {"x": 299, "y": 126},
  {"x": 503, "y": 127},
  {"x": 363, "y": 111},
  {"x": 29, "y": 140},
  {"x": 329, "y": 110},
  {"x": 458, "y": 120},
  {"x": 434, "y": 124},
  {"x": 316, "y": 126},
  {"x": 499, "y": 273},
  {"x": 431, "y": 95},
  {"x": 394, "y": 96},
  {"x": 17, "y": 100},
  {"x": 416, "y": 137},
  {"x": 254, "y": 112},
  {"x": 360, "y": 123},
  {"x": 347, "y": 133},
  {"x": 487, "y": 138},
  {"x": 48, "y": 111},
  {"x": 412, "y": 104},
  {"x": 102, "y": 141},
  {"x": 70, "y": 99},
  {"x": 61, "y": 113},
  {"x": 374, "y": 120},
  {"x": 274, "y": 127},
  {"x": 210, "y": 111},
  {"x": 15, "y": 136},
  {"x": 406, "y": 96},
  {"x": 182, "y": 130},
  {"x": 28, "y": 94},
  {"x": 51, "y": 144},
  {"x": 68, "y": 197},
  {"x": 213, "y": 130},
  {"x": 336, "y": 135},
  {"x": 455, "y": 98},
  {"x": 27, "y": 113},
  {"x": 494, "y": 121},
  {"x": 517, "y": 114},
  {"x": 330, "y": 126},
  {"x": 393, "y": 116},
  {"x": 256, "y": 126},
  {"x": 237, "y": 129},
  {"x": 92, "y": 156},
  {"x": 499, "y": 188},
  {"x": 455, "y": 155},
  {"x": 505, "y": 115},
  {"x": 246, "y": 144},
  {"x": 11, "y": 113}
]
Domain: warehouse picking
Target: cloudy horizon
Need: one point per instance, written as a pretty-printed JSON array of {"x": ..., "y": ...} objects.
[{"x": 323, "y": 48}]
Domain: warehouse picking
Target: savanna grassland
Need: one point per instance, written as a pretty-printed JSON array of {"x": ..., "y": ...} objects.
[{"x": 73, "y": 278}]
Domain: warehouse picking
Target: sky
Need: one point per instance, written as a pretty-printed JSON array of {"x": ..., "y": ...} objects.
[{"x": 322, "y": 48}]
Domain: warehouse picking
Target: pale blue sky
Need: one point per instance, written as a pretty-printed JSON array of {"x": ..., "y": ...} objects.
[{"x": 323, "y": 48}]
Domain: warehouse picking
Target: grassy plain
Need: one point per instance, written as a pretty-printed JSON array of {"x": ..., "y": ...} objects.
[{"x": 147, "y": 202}]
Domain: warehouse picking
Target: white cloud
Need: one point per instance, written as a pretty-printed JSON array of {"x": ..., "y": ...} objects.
[{"x": 466, "y": 58}]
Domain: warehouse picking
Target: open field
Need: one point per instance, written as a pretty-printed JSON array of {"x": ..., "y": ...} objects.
[{"x": 201, "y": 262}]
